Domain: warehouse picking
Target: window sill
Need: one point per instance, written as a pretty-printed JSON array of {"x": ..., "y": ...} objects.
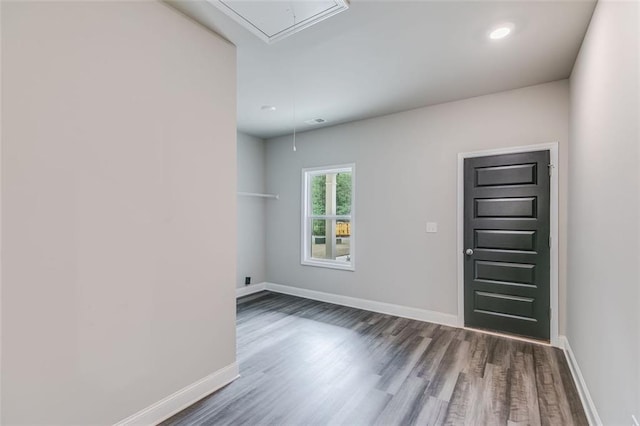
[{"x": 329, "y": 265}]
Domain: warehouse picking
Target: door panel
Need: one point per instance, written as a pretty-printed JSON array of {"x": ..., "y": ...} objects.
[
  {"x": 507, "y": 175},
  {"x": 506, "y": 208},
  {"x": 505, "y": 272},
  {"x": 505, "y": 305},
  {"x": 493, "y": 239}
]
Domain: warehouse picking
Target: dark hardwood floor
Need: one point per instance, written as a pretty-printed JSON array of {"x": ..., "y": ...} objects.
[{"x": 304, "y": 362}]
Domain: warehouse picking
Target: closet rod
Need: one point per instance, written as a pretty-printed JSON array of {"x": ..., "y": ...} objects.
[{"x": 257, "y": 194}]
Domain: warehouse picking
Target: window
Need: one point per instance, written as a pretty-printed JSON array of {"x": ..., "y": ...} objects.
[{"x": 328, "y": 216}]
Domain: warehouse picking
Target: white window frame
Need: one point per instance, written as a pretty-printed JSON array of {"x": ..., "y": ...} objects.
[{"x": 306, "y": 259}]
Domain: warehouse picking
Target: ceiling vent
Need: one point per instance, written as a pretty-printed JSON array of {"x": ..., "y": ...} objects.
[
  {"x": 275, "y": 20},
  {"x": 316, "y": 121}
]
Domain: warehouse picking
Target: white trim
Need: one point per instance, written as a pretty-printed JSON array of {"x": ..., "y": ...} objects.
[
  {"x": 305, "y": 241},
  {"x": 330, "y": 264},
  {"x": 367, "y": 305},
  {"x": 336, "y": 168},
  {"x": 581, "y": 385},
  {"x": 635, "y": 421},
  {"x": 250, "y": 289},
  {"x": 330, "y": 216},
  {"x": 553, "y": 217},
  {"x": 183, "y": 398}
]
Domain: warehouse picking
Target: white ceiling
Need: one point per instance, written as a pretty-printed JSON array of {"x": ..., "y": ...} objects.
[
  {"x": 380, "y": 57},
  {"x": 275, "y": 20}
]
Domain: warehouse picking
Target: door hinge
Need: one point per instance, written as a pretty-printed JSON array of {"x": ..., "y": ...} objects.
[
  {"x": 550, "y": 166},
  {"x": 550, "y": 241},
  {"x": 549, "y": 312}
]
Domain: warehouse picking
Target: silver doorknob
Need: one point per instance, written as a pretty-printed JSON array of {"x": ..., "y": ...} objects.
[{"x": 468, "y": 252}]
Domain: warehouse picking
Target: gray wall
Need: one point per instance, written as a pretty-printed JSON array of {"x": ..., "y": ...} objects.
[
  {"x": 251, "y": 210},
  {"x": 118, "y": 262},
  {"x": 406, "y": 175},
  {"x": 604, "y": 212}
]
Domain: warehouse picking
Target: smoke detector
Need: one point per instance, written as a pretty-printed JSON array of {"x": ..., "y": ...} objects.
[{"x": 274, "y": 20}]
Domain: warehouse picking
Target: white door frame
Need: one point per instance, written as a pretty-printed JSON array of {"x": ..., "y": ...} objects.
[{"x": 553, "y": 216}]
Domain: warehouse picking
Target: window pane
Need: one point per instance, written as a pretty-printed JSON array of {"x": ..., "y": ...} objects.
[
  {"x": 318, "y": 238},
  {"x": 318, "y": 194},
  {"x": 331, "y": 194},
  {"x": 331, "y": 239},
  {"x": 343, "y": 193},
  {"x": 343, "y": 240}
]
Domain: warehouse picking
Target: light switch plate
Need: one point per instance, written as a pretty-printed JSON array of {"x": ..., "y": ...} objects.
[{"x": 432, "y": 227}]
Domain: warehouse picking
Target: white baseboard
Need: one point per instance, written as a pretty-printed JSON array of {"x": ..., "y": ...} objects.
[
  {"x": 250, "y": 289},
  {"x": 183, "y": 398},
  {"x": 368, "y": 305},
  {"x": 583, "y": 391}
]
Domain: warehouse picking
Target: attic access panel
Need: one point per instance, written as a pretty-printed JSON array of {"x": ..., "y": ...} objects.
[{"x": 274, "y": 20}]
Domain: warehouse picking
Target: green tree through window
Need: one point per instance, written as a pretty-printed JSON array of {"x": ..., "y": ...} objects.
[
  {"x": 319, "y": 194},
  {"x": 343, "y": 193}
]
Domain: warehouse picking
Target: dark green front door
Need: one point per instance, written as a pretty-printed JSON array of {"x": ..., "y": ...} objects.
[{"x": 506, "y": 236}]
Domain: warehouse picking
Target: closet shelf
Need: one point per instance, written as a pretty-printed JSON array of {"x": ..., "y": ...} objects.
[{"x": 257, "y": 194}]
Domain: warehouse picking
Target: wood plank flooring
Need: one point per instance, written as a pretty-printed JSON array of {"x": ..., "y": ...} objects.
[{"x": 304, "y": 362}]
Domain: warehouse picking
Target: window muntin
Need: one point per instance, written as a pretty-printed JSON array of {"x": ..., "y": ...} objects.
[{"x": 328, "y": 217}]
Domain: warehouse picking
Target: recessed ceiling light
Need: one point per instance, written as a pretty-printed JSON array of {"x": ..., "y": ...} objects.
[
  {"x": 501, "y": 32},
  {"x": 268, "y": 108}
]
